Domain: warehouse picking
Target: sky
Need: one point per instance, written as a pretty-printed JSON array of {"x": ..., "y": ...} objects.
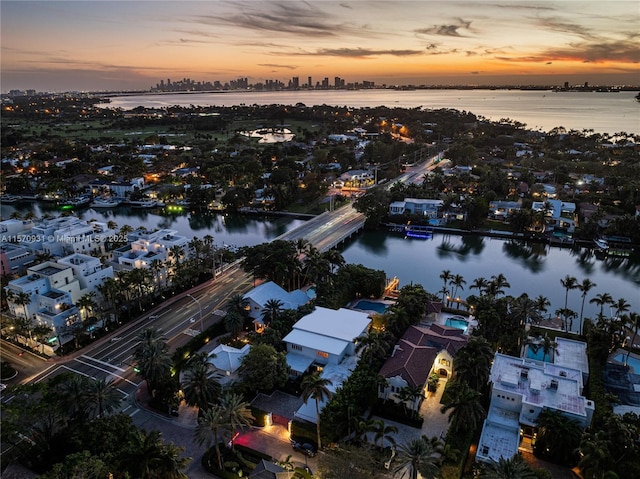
[{"x": 132, "y": 45}]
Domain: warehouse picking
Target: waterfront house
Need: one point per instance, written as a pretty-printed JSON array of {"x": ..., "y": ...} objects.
[
  {"x": 560, "y": 215},
  {"x": 416, "y": 206},
  {"x": 419, "y": 353},
  {"x": 520, "y": 390}
]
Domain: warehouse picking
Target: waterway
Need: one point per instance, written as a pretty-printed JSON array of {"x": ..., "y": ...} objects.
[
  {"x": 538, "y": 110},
  {"x": 532, "y": 268}
]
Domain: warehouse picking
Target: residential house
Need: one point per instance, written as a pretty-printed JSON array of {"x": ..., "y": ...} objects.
[
  {"x": 325, "y": 336},
  {"x": 327, "y": 339},
  {"x": 560, "y": 215},
  {"x": 520, "y": 390},
  {"x": 227, "y": 360},
  {"x": 14, "y": 259},
  {"x": 88, "y": 270},
  {"x": 259, "y": 296},
  {"x": 52, "y": 290},
  {"x": 502, "y": 209},
  {"x": 421, "y": 207},
  {"x": 420, "y": 352}
]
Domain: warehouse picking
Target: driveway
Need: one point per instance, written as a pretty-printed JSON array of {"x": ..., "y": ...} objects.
[{"x": 435, "y": 423}]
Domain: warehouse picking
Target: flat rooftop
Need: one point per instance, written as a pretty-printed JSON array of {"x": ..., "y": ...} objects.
[
  {"x": 343, "y": 324},
  {"x": 497, "y": 441},
  {"x": 544, "y": 385},
  {"x": 571, "y": 354}
]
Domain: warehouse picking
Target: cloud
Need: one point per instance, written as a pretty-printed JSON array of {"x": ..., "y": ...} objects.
[
  {"x": 356, "y": 52},
  {"x": 623, "y": 51},
  {"x": 283, "y": 18},
  {"x": 451, "y": 30},
  {"x": 275, "y": 65}
]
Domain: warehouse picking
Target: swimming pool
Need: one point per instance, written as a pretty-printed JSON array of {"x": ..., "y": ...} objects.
[
  {"x": 633, "y": 362},
  {"x": 457, "y": 322},
  {"x": 366, "y": 305},
  {"x": 538, "y": 355}
]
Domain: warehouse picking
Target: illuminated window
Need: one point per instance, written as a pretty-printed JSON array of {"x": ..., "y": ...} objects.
[{"x": 322, "y": 354}]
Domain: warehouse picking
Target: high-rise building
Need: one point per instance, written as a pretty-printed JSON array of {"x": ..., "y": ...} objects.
[{"x": 309, "y": 82}]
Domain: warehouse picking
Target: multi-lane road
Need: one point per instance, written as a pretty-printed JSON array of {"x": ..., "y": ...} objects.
[{"x": 178, "y": 319}]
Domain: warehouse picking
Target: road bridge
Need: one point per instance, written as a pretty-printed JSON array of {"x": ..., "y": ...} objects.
[{"x": 329, "y": 229}]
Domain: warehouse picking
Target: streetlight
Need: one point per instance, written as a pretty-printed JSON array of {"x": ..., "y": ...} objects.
[{"x": 200, "y": 311}]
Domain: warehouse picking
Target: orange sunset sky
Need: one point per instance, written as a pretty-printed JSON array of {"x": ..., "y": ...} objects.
[{"x": 115, "y": 45}]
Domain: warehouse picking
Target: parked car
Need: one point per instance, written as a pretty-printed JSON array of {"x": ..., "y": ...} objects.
[{"x": 305, "y": 448}]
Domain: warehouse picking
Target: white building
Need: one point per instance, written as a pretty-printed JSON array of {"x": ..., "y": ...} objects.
[
  {"x": 228, "y": 360},
  {"x": 88, "y": 270},
  {"x": 53, "y": 290},
  {"x": 147, "y": 246},
  {"x": 561, "y": 215},
  {"x": 416, "y": 206},
  {"x": 325, "y": 336},
  {"x": 521, "y": 390}
]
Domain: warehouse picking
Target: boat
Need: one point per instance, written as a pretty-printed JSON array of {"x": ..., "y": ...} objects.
[
  {"x": 9, "y": 199},
  {"x": 601, "y": 243},
  {"x": 105, "y": 202},
  {"x": 143, "y": 204},
  {"x": 418, "y": 231},
  {"x": 78, "y": 201}
]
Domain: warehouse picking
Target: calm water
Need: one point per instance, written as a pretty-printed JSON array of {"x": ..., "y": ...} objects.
[
  {"x": 533, "y": 269},
  {"x": 539, "y": 110},
  {"x": 226, "y": 229}
]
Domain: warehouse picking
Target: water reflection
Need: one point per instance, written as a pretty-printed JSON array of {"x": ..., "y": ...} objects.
[
  {"x": 374, "y": 243},
  {"x": 467, "y": 245},
  {"x": 530, "y": 255}
]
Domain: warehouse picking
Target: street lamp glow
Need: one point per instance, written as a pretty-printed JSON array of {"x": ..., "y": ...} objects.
[{"x": 200, "y": 312}]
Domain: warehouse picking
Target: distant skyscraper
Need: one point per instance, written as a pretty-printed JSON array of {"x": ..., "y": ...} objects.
[
  {"x": 296, "y": 82},
  {"x": 309, "y": 83}
]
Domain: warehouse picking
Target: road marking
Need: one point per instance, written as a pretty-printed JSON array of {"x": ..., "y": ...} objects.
[
  {"x": 219, "y": 312},
  {"x": 191, "y": 332},
  {"x": 103, "y": 363},
  {"x": 105, "y": 371},
  {"x": 134, "y": 413}
]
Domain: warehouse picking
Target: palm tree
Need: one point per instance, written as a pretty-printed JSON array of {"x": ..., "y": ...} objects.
[
  {"x": 541, "y": 304},
  {"x": 472, "y": 363},
  {"x": 595, "y": 455},
  {"x": 466, "y": 409},
  {"x": 149, "y": 458},
  {"x": 237, "y": 410},
  {"x": 558, "y": 436},
  {"x": 512, "y": 468},
  {"x": 210, "y": 425},
  {"x": 316, "y": 387},
  {"x": 632, "y": 320},
  {"x": 238, "y": 303},
  {"x": 86, "y": 303},
  {"x": 568, "y": 283},
  {"x": 334, "y": 258},
  {"x": 271, "y": 311},
  {"x": 419, "y": 456},
  {"x": 480, "y": 284},
  {"x": 445, "y": 276},
  {"x": 457, "y": 281},
  {"x": 496, "y": 285},
  {"x": 103, "y": 396},
  {"x": 383, "y": 432},
  {"x": 233, "y": 323},
  {"x": 621, "y": 306},
  {"x": 584, "y": 288},
  {"x": 200, "y": 384},
  {"x": 602, "y": 299},
  {"x": 152, "y": 358}
]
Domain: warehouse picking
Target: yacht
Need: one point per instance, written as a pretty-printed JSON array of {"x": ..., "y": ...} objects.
[{"x": 105, "y": 202}]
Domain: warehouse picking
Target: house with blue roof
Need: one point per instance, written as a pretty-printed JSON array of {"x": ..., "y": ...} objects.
[{"x": 258, "y": 297}]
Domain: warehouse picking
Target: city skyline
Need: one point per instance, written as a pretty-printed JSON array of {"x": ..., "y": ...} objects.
[{"x": 107, "y": 45}]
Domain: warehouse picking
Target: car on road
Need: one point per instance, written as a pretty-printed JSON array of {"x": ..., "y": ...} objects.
[{"x": 305, "y": 448}]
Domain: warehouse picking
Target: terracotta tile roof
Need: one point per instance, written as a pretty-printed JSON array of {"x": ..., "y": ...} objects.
[{"x": 410, "y": 362}]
